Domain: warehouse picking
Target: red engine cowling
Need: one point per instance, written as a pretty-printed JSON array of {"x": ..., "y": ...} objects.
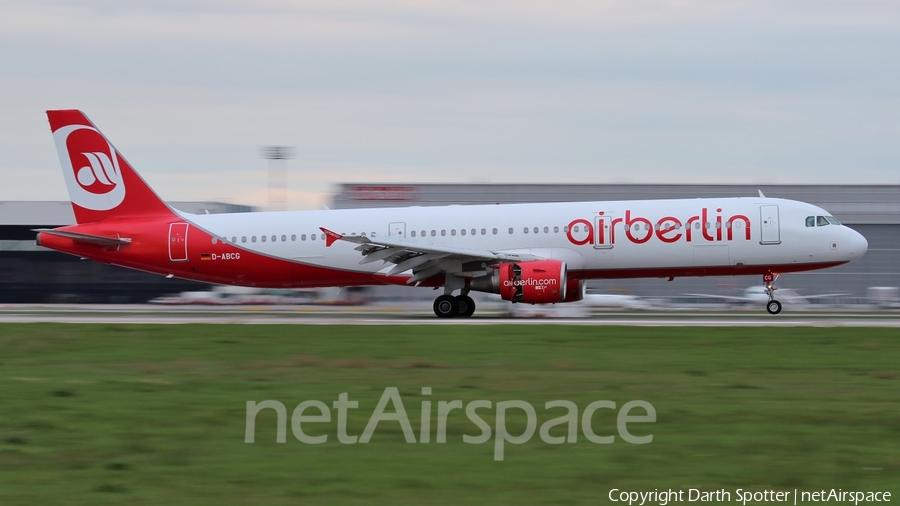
[
  {"x": 574, "y": 290},
  {"x": 538, "y": 282}
]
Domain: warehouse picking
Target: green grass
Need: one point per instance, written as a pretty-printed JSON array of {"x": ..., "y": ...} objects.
[{"x": 113, "y": 414}]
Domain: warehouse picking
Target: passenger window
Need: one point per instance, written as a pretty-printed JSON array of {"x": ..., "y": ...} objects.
[
  {"x": 525, "y": 230},
  {"x": 412, "y": 234},
  {"x": 433, "y": 233},
  {"x": 510, "y": 230},
  {"x": 312, "y": 237},
  {"x": 821, "y": 221},
  {"x": 234, "y": 240},
  {"x": 483, "y": 231},
  {"x": 443, "y": 232},
  {"x": 462, "y": 231},
  {"x": 810, "y": 221},
  {"x": 423, "y": 233},
  {"x": 274, "y": 238},
  {"x": 263, "y": 238},
  {"x": 215, "y": 241},
  {"x": 495, "y": 231},
  {"x": 555, "y": 230},
  {"x": 453, "y": 231}
]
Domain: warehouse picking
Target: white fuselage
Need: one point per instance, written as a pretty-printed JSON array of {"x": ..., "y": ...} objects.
[{"x": 665, "y": 237}]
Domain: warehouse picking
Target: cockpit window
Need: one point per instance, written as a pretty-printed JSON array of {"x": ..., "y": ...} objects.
[
  {"x": 810, "y": 221},
  {"x": 832, "y": 220},
  {"x": 821, "y": 221}
]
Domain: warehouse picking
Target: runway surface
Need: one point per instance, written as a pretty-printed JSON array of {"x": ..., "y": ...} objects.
[{"x": 388, "y": 315}]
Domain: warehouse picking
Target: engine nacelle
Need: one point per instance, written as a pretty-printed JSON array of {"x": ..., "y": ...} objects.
[
  {"x": 574, "y": 290},
  {"x": 537, "y": 282}
]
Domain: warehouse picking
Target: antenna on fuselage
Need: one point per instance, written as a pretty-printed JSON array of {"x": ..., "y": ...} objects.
[{"x": 761, "y": 194}]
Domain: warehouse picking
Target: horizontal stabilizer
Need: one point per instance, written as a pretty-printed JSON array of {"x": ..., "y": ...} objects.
[{"x": 90, "y": 239}]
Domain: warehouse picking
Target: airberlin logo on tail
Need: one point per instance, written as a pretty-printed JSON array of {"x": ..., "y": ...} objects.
[
  {"x": 91, "y": 168},
  {"x": 667, "y": 229}
]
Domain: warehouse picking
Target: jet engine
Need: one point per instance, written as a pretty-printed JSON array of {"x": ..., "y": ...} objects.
[
  {"x": 574, "y": 290},
  {"x": 536, "y": 282}
]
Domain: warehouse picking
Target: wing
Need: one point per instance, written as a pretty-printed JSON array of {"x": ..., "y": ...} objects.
[{"x": 424, "y": 259}]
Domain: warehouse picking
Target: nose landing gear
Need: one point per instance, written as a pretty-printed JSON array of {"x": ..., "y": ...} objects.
[{"x": 773, "y": 306}]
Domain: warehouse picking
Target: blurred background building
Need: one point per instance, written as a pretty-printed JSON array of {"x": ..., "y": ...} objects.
[{"x": 29, "y": 273}]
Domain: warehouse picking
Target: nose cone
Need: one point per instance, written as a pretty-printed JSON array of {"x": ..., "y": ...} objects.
[{"x": 857, "y": 244}]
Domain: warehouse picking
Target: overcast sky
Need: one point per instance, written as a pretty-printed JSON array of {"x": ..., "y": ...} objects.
[{"x": 686, "y": 91}]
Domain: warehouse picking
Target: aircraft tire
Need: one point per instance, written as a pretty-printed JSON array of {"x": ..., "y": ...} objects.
[
  {"x": 446, "y": 306},
  {"x": 773, "y": 307},
  {"x": 466, "y": 306}
]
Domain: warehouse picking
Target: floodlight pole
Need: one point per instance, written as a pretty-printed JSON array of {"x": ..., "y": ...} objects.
[{"x": 277, "y": 157}]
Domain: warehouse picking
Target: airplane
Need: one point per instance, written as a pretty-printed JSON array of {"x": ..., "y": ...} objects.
[
  {"x": 757, "y": 295},
  {"x": 527, "y": 253}
]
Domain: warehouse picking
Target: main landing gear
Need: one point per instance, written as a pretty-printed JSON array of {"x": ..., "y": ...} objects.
[
  {"x": 773, "y": 306},
  {"x": 448, "y": 306}
]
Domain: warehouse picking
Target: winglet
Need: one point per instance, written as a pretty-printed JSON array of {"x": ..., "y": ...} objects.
[
  {"x": 330, "y": 236},
  {"x": 761, "y": 194}
]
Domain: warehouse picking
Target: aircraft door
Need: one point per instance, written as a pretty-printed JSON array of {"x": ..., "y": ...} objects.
[
  {"x": 769, "y": 225},
  {"x": 602, "y": 232},
  {"x": 397, "y": 229},
  {"x": 178, "y": 242}
]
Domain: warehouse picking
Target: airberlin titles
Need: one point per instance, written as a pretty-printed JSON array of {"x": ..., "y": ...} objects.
[{"x": 667, "y": 229}]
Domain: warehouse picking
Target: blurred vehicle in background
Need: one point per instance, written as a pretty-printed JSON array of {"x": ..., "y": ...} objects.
[
  {"x": 584, "y": 307},
  {"x": 884, "y": 297}
]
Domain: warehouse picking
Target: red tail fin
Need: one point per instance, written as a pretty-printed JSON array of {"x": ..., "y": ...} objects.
[{"x": 101, "y": 183}]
